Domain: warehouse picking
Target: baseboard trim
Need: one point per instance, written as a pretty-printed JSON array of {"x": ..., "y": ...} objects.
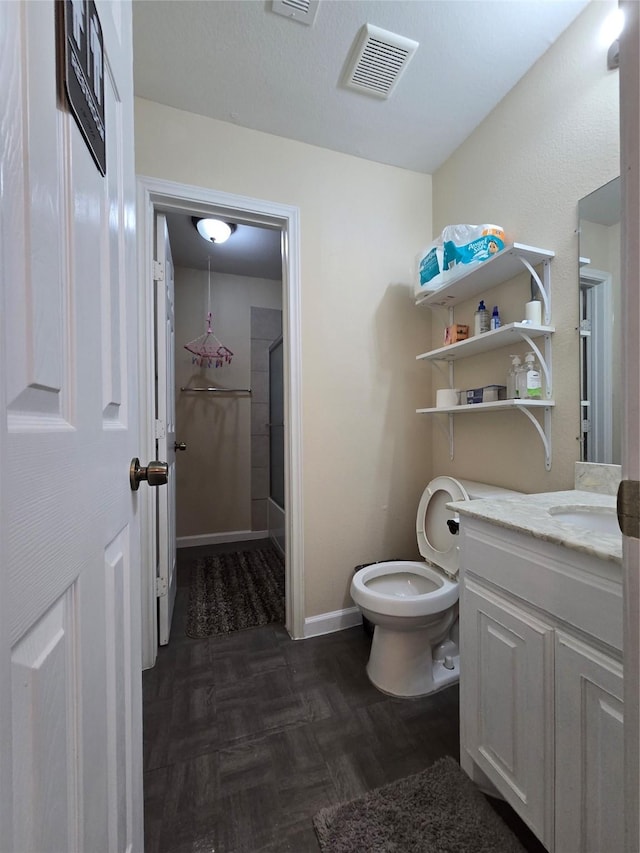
[
  {"x": 220, "y": 538},
  {"x": 327, "y": 623}
]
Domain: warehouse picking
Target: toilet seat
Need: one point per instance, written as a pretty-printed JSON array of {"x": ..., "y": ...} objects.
[
  {"x": 443, "y": 593},
  {"x": 437, "y": 545}
]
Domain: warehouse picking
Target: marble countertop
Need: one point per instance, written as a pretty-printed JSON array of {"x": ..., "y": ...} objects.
[{"x": 529, "y": 514}]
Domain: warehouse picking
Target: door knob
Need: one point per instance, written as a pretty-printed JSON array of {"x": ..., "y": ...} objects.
[
  {"x": 156, "y": 473},
  {"x": 179, "y": 445}
]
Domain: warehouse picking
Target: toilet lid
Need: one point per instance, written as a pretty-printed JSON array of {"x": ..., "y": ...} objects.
[{"x": 436, "y": 543}]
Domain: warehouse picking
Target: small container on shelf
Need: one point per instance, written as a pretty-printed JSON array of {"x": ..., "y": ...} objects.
[
  {"x": 455, "y": 332},
  {"x": 486, "y": 394}
]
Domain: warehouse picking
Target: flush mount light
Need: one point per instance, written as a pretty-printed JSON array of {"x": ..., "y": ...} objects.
[
  {"x": 609, "y": 36},
  {"x": 214, "y": 230}
]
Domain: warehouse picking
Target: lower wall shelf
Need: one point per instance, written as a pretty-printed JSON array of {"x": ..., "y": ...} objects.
[{"x": 527, "y": 407}]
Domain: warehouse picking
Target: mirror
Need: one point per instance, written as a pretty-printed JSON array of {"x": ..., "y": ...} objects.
[{"x": 600, "y": 352}]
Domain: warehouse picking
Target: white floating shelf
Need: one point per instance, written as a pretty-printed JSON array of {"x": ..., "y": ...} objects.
[
  {"x": 502, "y": 267},
  {"x": 486, "y": 407},
  {"x": 506, "y": 335}
]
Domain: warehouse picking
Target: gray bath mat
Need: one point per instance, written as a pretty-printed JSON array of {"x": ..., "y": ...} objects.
[
  {"x": 439, "y": 810},
  {"x": 240, "y": 589}
]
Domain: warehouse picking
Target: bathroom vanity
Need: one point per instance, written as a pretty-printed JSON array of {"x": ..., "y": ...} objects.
[{"x": 541, "y": 662}]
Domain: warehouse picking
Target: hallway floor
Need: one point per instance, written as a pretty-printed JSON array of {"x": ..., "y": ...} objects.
[{"x": 248, "y": 735}]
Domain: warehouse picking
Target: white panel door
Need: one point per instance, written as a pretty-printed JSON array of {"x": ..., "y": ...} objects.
[
  {"x": 589, "y": 749},
  {"x": 506, "y": 691},
  {"x": 70, "y": 703},
  {"x": 165, "y": 428},
  {"x": 630, "y": 177}
]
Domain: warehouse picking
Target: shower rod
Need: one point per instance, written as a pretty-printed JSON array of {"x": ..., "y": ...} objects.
[{"x": 211, "y": 390}]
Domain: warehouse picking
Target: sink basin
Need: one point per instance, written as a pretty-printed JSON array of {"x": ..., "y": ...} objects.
[{"x": 598, "y": 519}]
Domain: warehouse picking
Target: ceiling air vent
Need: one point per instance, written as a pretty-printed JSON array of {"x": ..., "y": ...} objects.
[
  {"x": 378, "y": 60},
  {"x": 303, "y": 11}
]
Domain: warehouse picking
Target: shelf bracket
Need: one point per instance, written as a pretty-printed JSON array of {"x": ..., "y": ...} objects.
[
  {"x": 544, "y": 433},
  {"x": 448, "y": 432},
  {"x": 446, "y": 374},
  {"x": 451, "y": 436},
  {"x": 543, "y": 286}
]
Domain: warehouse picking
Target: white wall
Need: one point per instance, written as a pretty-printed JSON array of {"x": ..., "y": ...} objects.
[
  {"x": 366, "y": 454},
  {"x": 214, "y": 475},
  {"x": 552, "y": 140}
]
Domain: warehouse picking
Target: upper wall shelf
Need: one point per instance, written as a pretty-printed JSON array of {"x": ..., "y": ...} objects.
[
  {"x": 507, "y": 264},
  {"x": 511, "y": 333}
]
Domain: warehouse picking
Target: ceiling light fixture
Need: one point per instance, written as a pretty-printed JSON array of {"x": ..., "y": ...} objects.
[
  {"x": 609, "y": 35},
  {"x": 214, "y": 230}
]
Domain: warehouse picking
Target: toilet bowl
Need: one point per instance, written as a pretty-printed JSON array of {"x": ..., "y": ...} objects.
[{"x": 414, "y": 605}]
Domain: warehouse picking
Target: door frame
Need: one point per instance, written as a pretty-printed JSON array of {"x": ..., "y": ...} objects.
[
  {"x": 165, "y": 195},
  {"x": 599, "y": 285}
]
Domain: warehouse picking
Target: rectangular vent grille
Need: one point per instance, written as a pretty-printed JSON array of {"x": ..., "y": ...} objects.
[
  {"x": 303, "y": 11},
  {"x": 379, "y": 58}
]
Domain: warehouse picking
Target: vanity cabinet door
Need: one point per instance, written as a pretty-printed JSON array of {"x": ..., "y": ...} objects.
[
  {"x": 506, "y": 685},
  {"x": 589, "y": 749}
]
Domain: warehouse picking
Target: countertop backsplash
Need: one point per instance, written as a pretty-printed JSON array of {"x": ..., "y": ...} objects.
[{"x": 594, "y": 477}]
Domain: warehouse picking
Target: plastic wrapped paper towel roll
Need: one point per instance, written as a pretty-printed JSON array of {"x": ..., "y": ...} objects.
[
  {"x": 533, "y": 312},
  {"x": 446, "y": 397}
]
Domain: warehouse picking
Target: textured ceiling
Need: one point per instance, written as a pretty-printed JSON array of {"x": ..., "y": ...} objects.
[{"x": 237, "y": 61}]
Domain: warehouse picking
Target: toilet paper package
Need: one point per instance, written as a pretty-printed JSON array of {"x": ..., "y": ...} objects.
[
  {"x": 468, "y": 244},
  {"x": 449, "y": 255},
  {"x": 429, "y": 264}
]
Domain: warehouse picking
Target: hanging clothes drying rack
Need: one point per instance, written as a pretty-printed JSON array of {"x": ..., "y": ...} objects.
[{"x": 207, "y": 350}]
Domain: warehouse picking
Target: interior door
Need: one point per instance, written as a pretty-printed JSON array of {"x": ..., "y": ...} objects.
[
  {"x": 70, "y": 703},
  {"x": 165, "y": 428}
]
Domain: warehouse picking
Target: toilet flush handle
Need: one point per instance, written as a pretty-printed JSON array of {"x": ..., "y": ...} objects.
[{"x": 454, "y": 526}]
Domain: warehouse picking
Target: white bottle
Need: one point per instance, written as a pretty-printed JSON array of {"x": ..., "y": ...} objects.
[
  {"x": 515, "y": 370},
  {"x": 533, "y": 378}
]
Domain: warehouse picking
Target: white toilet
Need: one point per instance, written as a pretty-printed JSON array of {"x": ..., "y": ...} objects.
[{"x": 414, "y": 606}]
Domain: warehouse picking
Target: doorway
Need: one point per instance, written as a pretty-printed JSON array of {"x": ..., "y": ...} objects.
[{"x": 155, "y": 196}]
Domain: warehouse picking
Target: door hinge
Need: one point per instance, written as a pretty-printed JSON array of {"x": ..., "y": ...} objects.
[
  {"x": 628, "y": 507},
  {"x": 158, "y": 271},
  {"x": 161, "y": 587},
  {"x": 160, "y": 429}
]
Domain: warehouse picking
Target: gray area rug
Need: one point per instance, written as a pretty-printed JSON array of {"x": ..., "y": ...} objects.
[
  {"x": 439, "y": 810},
  {"x": 241, "y": 589}
]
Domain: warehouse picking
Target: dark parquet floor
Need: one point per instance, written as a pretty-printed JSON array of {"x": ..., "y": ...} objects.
[{"x": 247, "y": 735}]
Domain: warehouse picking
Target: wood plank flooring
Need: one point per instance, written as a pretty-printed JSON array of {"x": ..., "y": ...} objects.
[{"x": 248, "y": 735}]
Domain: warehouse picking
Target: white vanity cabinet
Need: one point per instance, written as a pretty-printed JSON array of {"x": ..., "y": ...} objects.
[
  {"x": 541, "y": 684},
  {"x": 589, "y": 747}
]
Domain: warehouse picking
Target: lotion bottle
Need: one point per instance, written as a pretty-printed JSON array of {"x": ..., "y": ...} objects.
[
  {"x": 481, "y": 318},
  {"x": 533, "y": 378},
  {"x": 513, "y": 391}
]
